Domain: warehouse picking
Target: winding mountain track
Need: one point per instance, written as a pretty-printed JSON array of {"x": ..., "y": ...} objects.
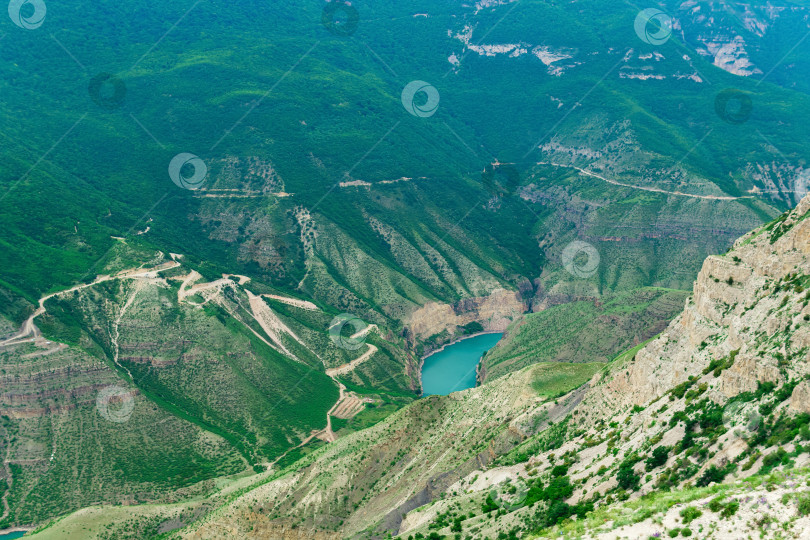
[
  {"x": 303, "y": 304},
  {"x": 270, "y": 322},
  {"x": 327, "y": 434},
  {"x": 259, "y": 310},
  {"x": 29, "y": 331},
  {"x": 347, "y": 368},
  {"x": 650, "y": 189}
]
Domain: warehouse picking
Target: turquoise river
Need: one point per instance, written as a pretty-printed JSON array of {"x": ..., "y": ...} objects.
[{"x": 453, "y": 368}]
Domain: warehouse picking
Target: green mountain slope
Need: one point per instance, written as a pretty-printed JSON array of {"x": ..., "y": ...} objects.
[
  {"x": 205, "y": 377},
  {"x": 337, "y": 117},
  {"x": 324, "y": 190},
  {"x": 719, "y": 397},
  {"x": 584, "y": 331}
]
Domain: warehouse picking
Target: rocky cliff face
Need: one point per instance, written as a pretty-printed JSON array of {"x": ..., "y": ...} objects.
[
  {"x": 717, "y": 392},
  {"x": 494, "y": 312},
  {"x": 751, "y": 301}
]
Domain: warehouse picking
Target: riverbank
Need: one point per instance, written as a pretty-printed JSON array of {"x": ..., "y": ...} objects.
[{"x": 460, "y": 338}]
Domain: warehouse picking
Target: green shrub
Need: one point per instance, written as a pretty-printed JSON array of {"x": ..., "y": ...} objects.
[
  {"x": 711, "y": 417},
  {"x": 772, "y": 460},
  {"x": 716, "y": 504},
  {"x": 628, "y": 479},
  {"x": 674, "y": 532},
  {"x": 489, "y": 505},
  {"x": 712, "y": 474},
  {"x": 659, "y": 457},
  {"x": 471, "y": 328},
  {"x": 560, "y": 488},
  {"x": 559, "y": 470},
  {"x": 681, "y": 389},
  {"x": 690, "y": 513},
  {"x": 803, "y": 504},
  {"x": 686, "y": 532},
  {"x": 730, "y": 509}
]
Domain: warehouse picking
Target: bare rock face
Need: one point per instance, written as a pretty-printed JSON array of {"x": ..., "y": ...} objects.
[
  {"x": 800, "y": 399},
  {"x": 742, "y": 303},
  {"x": 494, "y": 312}
]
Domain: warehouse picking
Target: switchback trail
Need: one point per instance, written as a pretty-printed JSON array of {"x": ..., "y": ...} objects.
[
  {"x": 29, "y": 329},
  {"x": 645, "y": 188}
]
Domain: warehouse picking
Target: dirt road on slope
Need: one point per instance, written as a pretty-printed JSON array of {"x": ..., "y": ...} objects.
[
  {"x": 650, "y": 189},
  {"x": 29, "y": 331}
]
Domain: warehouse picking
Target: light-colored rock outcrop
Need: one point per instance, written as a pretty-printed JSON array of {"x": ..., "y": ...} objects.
[
  {"x": 494, "y": 312},
  {"x": 733, "y": 304},
  {"x": 800, "y": 399}
]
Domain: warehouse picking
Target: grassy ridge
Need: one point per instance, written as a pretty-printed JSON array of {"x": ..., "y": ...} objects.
[
  {"x": 584, "y": 331},
  {"x": 553, "y": 379}
]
